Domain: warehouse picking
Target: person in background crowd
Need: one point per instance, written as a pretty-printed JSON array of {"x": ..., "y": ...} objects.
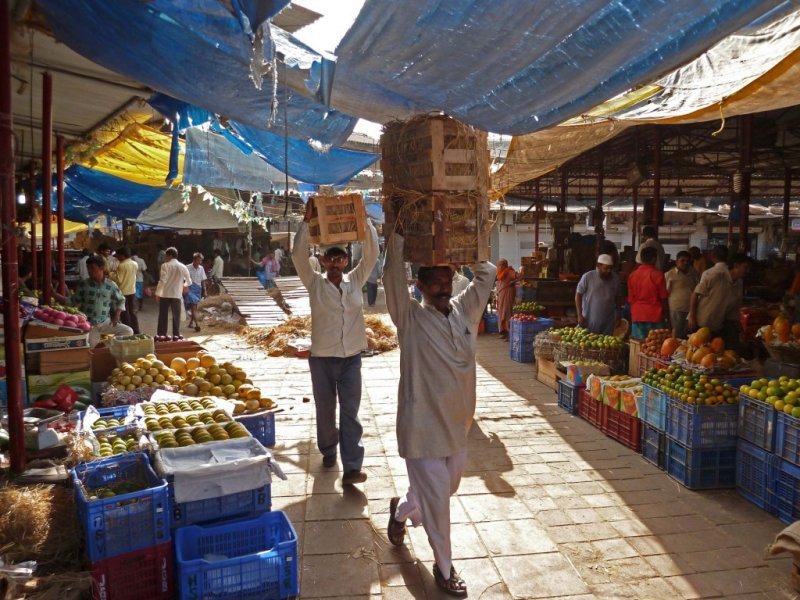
[
  {"x": 104, "y": 250},
  {"x": 125, "y": 277},
  {"x": 267, "y": 270},
  {"x": 279, "y": 256},
  {"x": 83, "y": 271},
  {"x": 740, "y": 267},
  {"x": 197, "y": 275},
  {"x": 436, "y": 398},
  {"x": 610, "y": 248},
  {"x": 338, "y": 336},
  {"x": 313, "y": 260},
  {"x": 161, "y": 257},
  {"x": 596, "y": 297},
  {"x": 647, "y": 295},
  {"x": 101, "y": 301},
  {"x": 710, "y": 298},
  {"x": 173, "y": 283},
  {"x": 24, "y": 274},
  {"x": 681, "y": 281},
  {"x": 139, "y": 276},
  {"x": 460, "y": 282},
  {"x": 649, "y": 241},
  {"x": 372, "y": 281},
  {"x": 698, "y": 259},
  {"x": 217, "y": 267},
  {"x": 506, "y": 292},
  {"x": 220, "y": 244}
]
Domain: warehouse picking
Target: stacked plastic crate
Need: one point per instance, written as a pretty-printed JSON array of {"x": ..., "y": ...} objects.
[
  {"x": 522, "y": 334},
  {"x": 123, "y": 508},
  {"x": 652, "y": 410}
]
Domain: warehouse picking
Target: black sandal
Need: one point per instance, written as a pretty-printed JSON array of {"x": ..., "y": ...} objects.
[
  {"x": 455, "y": 586},
  {"x": 396, "y": 531}
]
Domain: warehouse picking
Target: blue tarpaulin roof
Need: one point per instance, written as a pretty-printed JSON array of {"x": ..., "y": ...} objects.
[
  {"x": 89, "y": 193},
  {"x": 197, "y": 51},
  {"x": 516, "y": 66}
]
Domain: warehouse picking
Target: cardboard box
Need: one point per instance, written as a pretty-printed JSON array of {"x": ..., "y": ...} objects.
[
  {"x": 594, "y": 385},
  {"x": 612, "y": 392},
  {"x": 46, "y": 337},
  {"x": 628, "y": 401},
  {"x": 578, "y": 374},
  {"x": 42, "y": 385}
]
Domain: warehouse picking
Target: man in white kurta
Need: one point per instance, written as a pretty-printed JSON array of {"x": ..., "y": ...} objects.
[{"x": 436, "y": 396}]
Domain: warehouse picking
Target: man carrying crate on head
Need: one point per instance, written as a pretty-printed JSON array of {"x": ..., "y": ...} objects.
[
  {"x": 436, "y": 397},
  {"x": 338, "y": 335}
]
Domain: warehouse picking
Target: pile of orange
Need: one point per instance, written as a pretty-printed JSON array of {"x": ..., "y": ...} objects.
[
  {"x": 781, "y": 331},
  {"x": 708, "y": 352}
]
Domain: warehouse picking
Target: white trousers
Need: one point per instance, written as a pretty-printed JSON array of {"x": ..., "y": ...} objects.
[
  {"x": 105, "y": 328},
  {"x": 431, "y": 483}
]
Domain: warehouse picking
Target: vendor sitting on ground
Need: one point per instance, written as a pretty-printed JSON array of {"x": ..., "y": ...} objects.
[
  {"x": 101, "y": 301},
  {"x": 596, "y": 297}
]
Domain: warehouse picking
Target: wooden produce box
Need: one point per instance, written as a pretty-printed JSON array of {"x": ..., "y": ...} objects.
[
  {"x": 47, "y": 337},
  {"x": 434, "y": 153},
  {"x": 337, "y": 220},
  {"x": 102, "y": 362},
  {"x": 59, "y": 361},
  {"x": 546, "y": 373},
  {"x": 634, "y": 348},
  {"x": 441, "y": 227}
]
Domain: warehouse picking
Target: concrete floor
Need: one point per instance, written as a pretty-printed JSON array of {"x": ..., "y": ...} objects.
[{"x": 549, "y": 506}]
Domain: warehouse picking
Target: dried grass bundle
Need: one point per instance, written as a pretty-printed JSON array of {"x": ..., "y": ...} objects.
[
  {"x": 39, "y": 523},
  {"x": 60, "y": 586}
]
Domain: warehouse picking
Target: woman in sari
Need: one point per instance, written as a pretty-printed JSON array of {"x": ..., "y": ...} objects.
[{"x": 505, "y": 291}]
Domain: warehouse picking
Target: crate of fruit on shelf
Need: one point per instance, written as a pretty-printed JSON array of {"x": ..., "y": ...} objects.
[
  {"x": 528, "y": 308},
  {"x": 578, "y": 343},
  {"x": 760, "y": 403},
  {"x": 706, "y": 355},
  {"x": 656, "y": 350},
  {"x": 782, "y": 339},
  {"x": 702, "y": 410}
]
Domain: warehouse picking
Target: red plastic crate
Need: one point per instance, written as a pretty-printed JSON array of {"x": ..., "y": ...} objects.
[
  {"x": 591, "y": 410},
  {"x": 140, "y": 574},
  {"x": 624, "y": 428}
]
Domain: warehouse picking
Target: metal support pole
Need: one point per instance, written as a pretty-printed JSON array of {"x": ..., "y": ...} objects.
[
  {"x": 656, "y": 208},
  {"x": 562, "y": 208},
  {"x": 635, "y": 192},
  {"x": 33, "y": 205},
  {"x": 745, "y": 165},
  {"x": 538, "y": 193},
  {"x": 787, "y": 197},
  {"x": 47, "y": 186},
  {"x": 62, "y": 259},
  {"x": 598, "y": 209},
  {"x": 11, "y": 328}
]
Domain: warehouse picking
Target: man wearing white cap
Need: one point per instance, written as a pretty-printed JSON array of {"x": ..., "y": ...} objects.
[
  {"x": 338, "y": 335},
  {"x": 596, "y": 297}
]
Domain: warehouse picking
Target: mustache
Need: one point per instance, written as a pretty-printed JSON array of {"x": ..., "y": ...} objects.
[{"x": 443, "y": 295}]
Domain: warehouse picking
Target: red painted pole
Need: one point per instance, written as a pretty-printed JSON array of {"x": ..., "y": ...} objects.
[
  {"x": 746, "y": 168},
  {"x": 34, "y": 252},
  {"x": 11, "y": 327},
  {"x": 62, "y": 261},
  {"x": 538, "y": 216},
  {"x": 656, "y": 210},
  {"x": 47, "y": 186},
  {"x": 635, "y": 215}
]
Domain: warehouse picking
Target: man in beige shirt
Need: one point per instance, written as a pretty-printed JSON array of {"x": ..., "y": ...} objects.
[
  {"x": 711, "y": 296},
  {"x": 436, "y": 396},
  {"x": 681, "y": 281},
  {"x": 125, "y": 276}
]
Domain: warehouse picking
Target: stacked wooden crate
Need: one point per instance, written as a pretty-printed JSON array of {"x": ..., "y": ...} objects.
[
  {"x": 435, "y": 184},
  {"x": 337, "y": 219}
]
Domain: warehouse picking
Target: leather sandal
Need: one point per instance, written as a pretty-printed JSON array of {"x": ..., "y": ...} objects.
[
  {"x": 454, "y": 585},
  {"x": 396, "y": 531}
]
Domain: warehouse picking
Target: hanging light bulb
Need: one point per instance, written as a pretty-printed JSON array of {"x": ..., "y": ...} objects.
[{"x": 21, "y": 198}]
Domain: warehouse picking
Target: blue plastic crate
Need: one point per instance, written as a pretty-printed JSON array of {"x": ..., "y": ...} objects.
[
  {"x": 113, "y": 412},
  {"x": 654, "y": 445},
  {"x": 757, "y": 422},
  {"x": 521, "y": 352},
  {"x": 261, "y": 559},
  {"x": 788, "y": 490},
  {"x": 705, "y": 469},
  {"x": 245, "y": 504},
  {"x": 703, "y": 426},
  {"x": 569, "y": 396},
  {"x": 757, "y": 476},
  {"x": 490, "y": 323},
  {"x": 787, "y": 437},
  {"x": 652, "y": 407},
  {"x": 261, "y": 426},
  {"x": 126, "y": 522},
  {"x": 528, "y": 330}
]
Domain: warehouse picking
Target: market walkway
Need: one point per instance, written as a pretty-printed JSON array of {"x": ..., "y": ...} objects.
[
  {"x": 549, "y": 506},
  {"x": 258, "y": 308}
]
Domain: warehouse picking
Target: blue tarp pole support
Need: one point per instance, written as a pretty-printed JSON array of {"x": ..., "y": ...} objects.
[
  {"x": 62, "y": 260},
  {"x": 47, "y": 186},
  {"x": 285, "y": 147},
  {"x": 746, "y": 169},
  {"x": 11, "y": 328}
]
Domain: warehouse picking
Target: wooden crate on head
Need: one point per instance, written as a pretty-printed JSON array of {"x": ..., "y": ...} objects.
[
  {"x": 337, "y": 220},
  {"x": 436, "y": 174}
]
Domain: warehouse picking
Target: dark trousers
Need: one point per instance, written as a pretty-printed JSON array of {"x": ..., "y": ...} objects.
[
  {"x": 129, "y": 317},
  {"x": 164, "y": 306},
  {"x": 372, "y": 293},
  {"x": 331, "y": 376}
]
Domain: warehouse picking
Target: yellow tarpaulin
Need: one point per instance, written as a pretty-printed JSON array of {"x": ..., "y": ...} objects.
[
  {"x": 139, "y": 154},
  {"x": 70, "y": 227}
]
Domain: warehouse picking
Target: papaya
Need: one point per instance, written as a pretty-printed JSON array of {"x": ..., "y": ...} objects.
[
  {"x": 708, "y": 361},
  {"x": 717, "y": 345}
]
